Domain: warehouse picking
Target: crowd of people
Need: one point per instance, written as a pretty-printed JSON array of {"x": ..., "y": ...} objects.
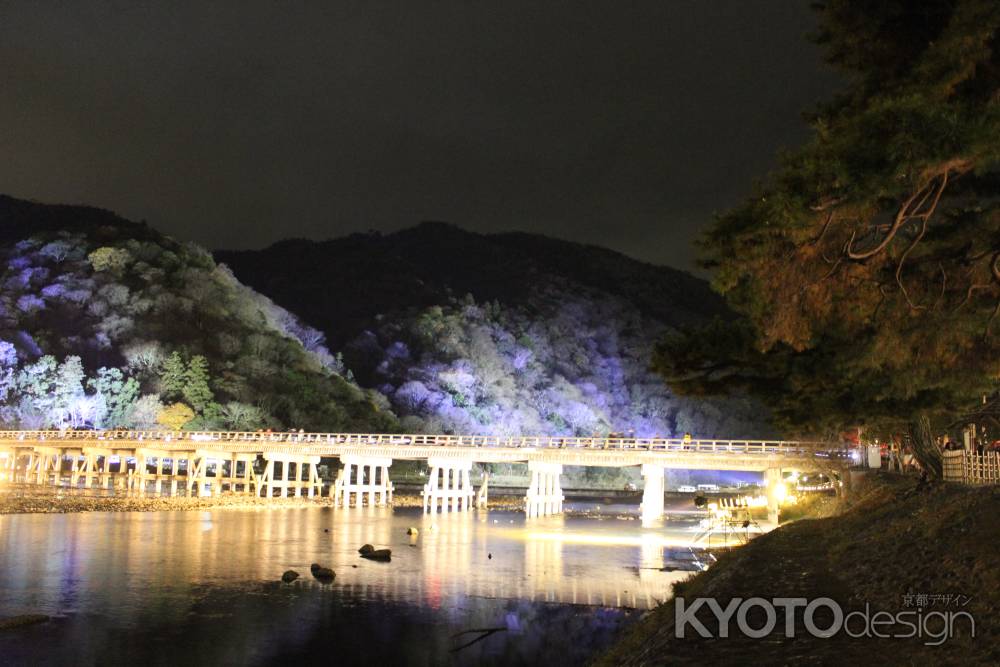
[{"x": 898, "y": 455}]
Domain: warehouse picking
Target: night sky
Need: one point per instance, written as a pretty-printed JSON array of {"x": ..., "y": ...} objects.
[{"x": 236, "y": 124}]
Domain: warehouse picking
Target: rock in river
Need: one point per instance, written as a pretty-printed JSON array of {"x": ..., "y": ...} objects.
[
  {"x": 289, "y": 576},
  {"x": 366, "y": 549},
  {"x": 384, "y": 555},
  {"x": 323, "y": 574}
]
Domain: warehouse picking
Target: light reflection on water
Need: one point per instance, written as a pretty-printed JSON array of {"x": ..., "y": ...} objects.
[{"x": 130, "y": 580}]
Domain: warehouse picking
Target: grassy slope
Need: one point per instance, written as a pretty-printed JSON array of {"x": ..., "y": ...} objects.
[{"x": 894, "y": 538}]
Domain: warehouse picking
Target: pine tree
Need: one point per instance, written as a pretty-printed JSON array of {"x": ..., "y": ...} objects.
[
  {"x": 173, "y": 376},
  {"x": 867, "y": 269},
  {"x": 196, "y": 390}
]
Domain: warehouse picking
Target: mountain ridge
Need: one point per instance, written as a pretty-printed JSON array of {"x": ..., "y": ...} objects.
[
  {"x": 505, "y": 333},
  {"x": 434, "y": 258}
]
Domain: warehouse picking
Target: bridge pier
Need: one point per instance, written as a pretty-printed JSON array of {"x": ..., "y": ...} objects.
[
  {"x": 122, "y": 480},
  {"x": 362, "y": 476},
  {"x": 652, "y": 492},
  {"x": 248, "y": 478},
  {"x": 29, "y": 470},
  {"x": 97, "y": 468},
  {"x": 164, "y": 480},
  {"x": 197, "y": 471},
  {"x": 545, "y": 496},
  {"x": 450, "y": 482},
  {"x": 74, "y": 456}
]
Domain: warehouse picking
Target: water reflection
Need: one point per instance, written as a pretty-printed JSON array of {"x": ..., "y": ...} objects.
[{"x": 209, "y": 581}]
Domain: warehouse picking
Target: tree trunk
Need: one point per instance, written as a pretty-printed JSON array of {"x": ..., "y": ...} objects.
[{"x": 924, "y": 447}]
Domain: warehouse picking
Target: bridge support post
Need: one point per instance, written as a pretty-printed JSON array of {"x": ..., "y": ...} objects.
[
  {"x": 247, "y": 469},
  {"x": 773, "y": 495},
  {"x": 344, "y": 479},
  {"x": 121, "y": 480},
  {"x": 87, "y": 468},
  {"x": 314, "y": 485},
  {"x": 138, "y": 481},
  {"x": 57, "y": 469},
  {"x": 652, "y": 493},
  {"x": 158, "y": 484},
  {"x": 545, "y": 494},
  {"x": 220, "y": 476},
  {"x": 195, "y": 474},
  {"x": 482, "y": 498},
  {"x": 265, "y": 483},
  {"x": 371, "y": 484},
  {"x": 455, "y": 490},
  {"x": 282, "y": 482},
  {"x": 29, "y": 470},
  {"x": 74, "y": 467},
  {"x": 41, "y": 467},
  {"x": 386, "y": 484},
  {"x": 105, "y": 477},
  {"x": 9, "y": 465},
  {"x": 446, "y": 474}
]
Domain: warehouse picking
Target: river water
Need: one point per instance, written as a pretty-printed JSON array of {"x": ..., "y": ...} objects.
[{"x": 202, "y": 588}]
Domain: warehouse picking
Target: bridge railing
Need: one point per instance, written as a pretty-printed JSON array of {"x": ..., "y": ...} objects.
[{"x": 202, "y": 438}]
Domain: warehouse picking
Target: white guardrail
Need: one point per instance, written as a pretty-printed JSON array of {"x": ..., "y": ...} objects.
[{"x": 425, "y": 440}]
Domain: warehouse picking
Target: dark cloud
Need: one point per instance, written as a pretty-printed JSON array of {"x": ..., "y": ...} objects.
[{"x": 235, "y": 124}]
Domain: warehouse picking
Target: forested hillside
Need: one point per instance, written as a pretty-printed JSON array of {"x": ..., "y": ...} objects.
[
  {"x": 107, "y": 323},
  {"x": 342, "y": 285},
  {"x": 500, "y": 334}
]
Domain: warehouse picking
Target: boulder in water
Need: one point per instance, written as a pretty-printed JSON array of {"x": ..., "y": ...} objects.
[
  {"x": 383, "y": 555},
  {"x": 289, "y": 576},
  {"x": 321, "y": 573},
  {"x": 366, "y": 549}
]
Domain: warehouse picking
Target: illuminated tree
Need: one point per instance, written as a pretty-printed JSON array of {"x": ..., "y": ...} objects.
[
  {"x": 57, "y": 251},
  {"x": 8, "y": 368},
  {"x": 145, "y": 411},
  {"x": 868, "y": 267},
  {"x": 111, "y": 292},
  {"x": 173, "y": 376},
  {"x": 117, "y": 394},
  {"x": 241, "y": 417},
  {"x": 175, "y": 416},
  {"x": 68, "y": 390},
  {"x": 112, "y": 260},
  {"x": 196, "y": 390}
]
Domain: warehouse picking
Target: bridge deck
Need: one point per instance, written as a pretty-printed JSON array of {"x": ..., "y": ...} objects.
[{"x": 593, "y": 451}]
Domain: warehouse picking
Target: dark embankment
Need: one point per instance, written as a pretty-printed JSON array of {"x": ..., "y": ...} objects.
[{"x": 895, "y": 539}]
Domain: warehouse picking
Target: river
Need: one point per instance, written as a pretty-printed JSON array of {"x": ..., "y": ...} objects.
[{"x": 203, "y": 588}]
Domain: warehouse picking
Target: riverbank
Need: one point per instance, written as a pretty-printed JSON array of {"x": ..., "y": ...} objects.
[
  {"x": 26, "y": 499},
  {"x": 893, "y": 542}
]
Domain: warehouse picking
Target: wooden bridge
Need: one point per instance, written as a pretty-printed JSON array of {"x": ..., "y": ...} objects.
[{"x": 268, "y": 464}]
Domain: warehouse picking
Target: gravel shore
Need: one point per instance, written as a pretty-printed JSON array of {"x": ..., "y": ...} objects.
[{"x": 31, "y": 500}]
